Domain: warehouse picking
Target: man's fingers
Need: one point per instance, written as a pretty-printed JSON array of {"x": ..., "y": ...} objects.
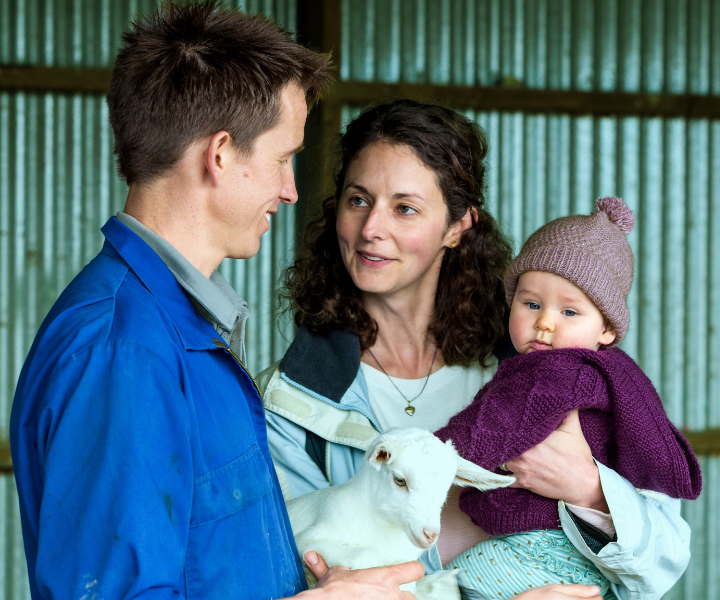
[
  {"x": 391, "y": 577},
  {"x": 406, "y": 572},
  {"x": 316, "y": 563},
  {"x": 590, "y": 592}
]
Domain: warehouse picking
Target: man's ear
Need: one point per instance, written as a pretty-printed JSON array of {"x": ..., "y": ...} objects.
[{"x": 217, "y": 156}]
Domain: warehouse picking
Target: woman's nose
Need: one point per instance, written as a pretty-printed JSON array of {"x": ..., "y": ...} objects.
[{"x": 375, "y": 226}]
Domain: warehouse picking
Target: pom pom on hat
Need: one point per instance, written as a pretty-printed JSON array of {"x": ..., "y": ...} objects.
[{"x": 617, "y": 211}]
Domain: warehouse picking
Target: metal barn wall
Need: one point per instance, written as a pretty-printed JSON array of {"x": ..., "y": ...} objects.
[
  {"x": 545, "y": 166},
  {"x": 58, "y": 186}
]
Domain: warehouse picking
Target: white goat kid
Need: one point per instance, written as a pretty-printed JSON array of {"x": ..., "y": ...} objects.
[{"x": 389, "y": 512}]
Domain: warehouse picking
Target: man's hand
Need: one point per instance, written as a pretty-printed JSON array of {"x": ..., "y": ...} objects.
[
  {"x": 380, "y": 583},
  {"x": 561, "y": 467},
  {"x": 562, "y": 592}
]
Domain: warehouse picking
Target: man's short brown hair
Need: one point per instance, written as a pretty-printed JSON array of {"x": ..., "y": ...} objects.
[{"x": 189, "y": 71}]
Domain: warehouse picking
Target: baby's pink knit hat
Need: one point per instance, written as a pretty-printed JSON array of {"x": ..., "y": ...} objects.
[{"x": 590, "y": 251}]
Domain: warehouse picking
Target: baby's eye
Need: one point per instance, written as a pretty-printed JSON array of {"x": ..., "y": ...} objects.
[
  {"x": 404, "y": 209},
  {"x": 358, "y": 201},
  {"x": 532, "y": 305},
  {"x": 568, "y": 312}
]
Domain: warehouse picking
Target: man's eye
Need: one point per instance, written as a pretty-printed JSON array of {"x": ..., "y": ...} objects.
[{"x": 399, "y": 481}]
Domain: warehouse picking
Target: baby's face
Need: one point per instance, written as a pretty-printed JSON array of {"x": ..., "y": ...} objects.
[{"x": 548, "y": 312}]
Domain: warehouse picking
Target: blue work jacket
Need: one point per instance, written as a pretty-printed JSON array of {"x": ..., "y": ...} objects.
[{"x": 140, "y": 448}]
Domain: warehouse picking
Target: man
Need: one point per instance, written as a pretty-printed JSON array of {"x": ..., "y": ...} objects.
[{"x": 137, "y": 435}]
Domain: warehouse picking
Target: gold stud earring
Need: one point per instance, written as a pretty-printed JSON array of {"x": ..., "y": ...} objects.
[{"x": 453, "y": 243}]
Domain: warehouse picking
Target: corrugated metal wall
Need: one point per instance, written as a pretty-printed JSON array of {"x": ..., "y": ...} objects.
[
  {"x": 545, "y": 166},
  {"x": 58, "y": 183},
  {"x": 58, "y": 186}
]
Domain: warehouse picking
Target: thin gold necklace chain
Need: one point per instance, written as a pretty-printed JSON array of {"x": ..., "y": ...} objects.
[{"x": 398, "y": 389}]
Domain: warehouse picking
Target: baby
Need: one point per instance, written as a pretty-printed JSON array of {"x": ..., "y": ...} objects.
[{"x": 567, "y": 290}]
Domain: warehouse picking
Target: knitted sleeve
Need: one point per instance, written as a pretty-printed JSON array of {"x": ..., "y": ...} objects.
[{"x": 525, "y": 402}]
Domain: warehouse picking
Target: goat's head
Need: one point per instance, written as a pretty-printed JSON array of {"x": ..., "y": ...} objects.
[{"x": 415, "y": 472}]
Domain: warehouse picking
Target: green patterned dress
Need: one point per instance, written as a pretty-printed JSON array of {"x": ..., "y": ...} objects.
[{"x": 506, "y": 566}]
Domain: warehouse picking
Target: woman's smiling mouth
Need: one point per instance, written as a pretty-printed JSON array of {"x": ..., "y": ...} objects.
[{"x": 372, "y": 260}]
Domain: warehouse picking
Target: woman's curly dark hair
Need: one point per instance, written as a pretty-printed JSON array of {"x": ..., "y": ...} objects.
[{"x": 470, "y": 308}]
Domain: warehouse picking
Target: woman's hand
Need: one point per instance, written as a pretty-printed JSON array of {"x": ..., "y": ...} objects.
[
  {"x": 380, "y": 583},
  {"x": 562, "y": 592},
  {"x": 561, "y": 467}
]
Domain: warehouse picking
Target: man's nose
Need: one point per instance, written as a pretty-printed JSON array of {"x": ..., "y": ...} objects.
[{"x": 289, "y": 193}]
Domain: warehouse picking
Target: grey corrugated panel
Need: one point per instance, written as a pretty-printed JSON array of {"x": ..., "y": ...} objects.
[
  {"x": 697, "y": 276},
  {"x": 630, "y": 45},
  {"x": 713, "y": 298},
  {"x": 701, "y": 581},
  {"x": 81, "y": 33},
  {"x": 13, "y": 576}
]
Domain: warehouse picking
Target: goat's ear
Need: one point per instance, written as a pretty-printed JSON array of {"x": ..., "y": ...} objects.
[
  {"x": 382, "y": 452},
  {"x": 470, "y": 474}
]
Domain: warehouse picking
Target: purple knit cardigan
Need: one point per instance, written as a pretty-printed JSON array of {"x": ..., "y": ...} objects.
[{"x": 621, "y": 416}]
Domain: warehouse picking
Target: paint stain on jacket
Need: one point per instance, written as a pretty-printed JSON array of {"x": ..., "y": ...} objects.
[{"x": 167, "y": 500}]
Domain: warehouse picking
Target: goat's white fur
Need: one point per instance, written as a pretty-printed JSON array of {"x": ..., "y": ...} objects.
[{"x": 371, "y": 520}]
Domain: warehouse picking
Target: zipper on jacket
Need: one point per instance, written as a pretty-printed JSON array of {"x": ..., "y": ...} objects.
[{"x": 227, "y": 349}]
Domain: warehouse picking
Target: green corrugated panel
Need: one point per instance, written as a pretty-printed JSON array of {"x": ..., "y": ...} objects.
[
  {"x": 545, "y": 166},
  {"x": 58, "y": 186}
]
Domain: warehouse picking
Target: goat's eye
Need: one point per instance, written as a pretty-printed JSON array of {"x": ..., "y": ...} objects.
[{"x": 399, "y": 481}]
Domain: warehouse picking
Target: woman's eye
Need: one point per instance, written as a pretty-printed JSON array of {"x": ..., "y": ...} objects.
[
  {"x": 403, "y": 209},
  {"x": 568, "y": 312},
  {"x": 532, "y": 305},
  {"x": 358, "y": 201},
  {"x": 399, "y": 481}
]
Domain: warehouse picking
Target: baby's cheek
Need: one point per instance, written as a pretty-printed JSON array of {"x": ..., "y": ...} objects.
[{"x": 516, "y": 328}]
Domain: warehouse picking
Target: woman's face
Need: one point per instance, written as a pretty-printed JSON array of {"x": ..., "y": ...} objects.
[{"x": 392, "y": 222}]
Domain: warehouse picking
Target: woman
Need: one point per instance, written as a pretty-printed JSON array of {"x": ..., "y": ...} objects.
[{"x": 398, "y": 297}]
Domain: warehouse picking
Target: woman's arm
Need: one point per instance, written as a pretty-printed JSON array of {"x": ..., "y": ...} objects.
[
  {"x": 653, "y": 541},
  {"x": 652, "y": 547}
]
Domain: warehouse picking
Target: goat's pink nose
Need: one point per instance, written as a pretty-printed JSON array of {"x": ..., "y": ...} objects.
[{"x": 431, "y": 534}]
